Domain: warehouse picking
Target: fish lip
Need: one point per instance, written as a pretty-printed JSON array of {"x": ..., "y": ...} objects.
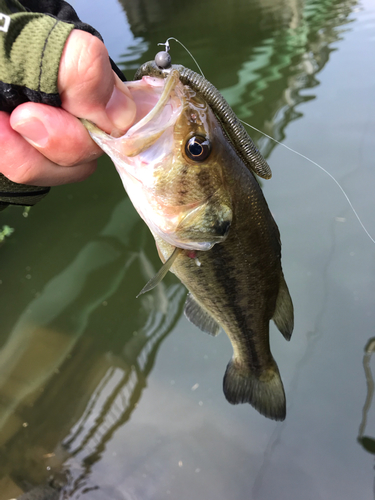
[{"x": 166, "y": 99}]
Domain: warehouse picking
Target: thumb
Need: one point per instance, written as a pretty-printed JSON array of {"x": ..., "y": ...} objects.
[{"x": 90, "y": 89}]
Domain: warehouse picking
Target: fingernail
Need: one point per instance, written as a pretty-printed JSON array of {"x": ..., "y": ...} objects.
[
  {"x": 120, "y": 110},
  {"x": 33, "y": 131}
]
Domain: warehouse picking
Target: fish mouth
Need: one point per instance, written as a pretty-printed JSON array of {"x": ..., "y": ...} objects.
[{"x": 158, "y": 104}]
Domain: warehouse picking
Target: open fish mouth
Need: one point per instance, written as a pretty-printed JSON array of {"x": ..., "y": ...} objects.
[{"x": 158, "y": 107}]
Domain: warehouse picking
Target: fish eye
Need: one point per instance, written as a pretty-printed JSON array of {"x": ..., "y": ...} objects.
[{"x": 198, "y": 148}]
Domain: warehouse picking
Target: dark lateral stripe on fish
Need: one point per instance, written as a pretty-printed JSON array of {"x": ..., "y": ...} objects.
[{"x": 228, "y": 282}]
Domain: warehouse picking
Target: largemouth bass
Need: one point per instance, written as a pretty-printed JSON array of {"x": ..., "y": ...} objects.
[{"x": 187, "y": 165}]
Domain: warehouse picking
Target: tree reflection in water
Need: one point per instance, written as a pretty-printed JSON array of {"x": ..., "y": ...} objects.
[
  {"x": 366, "y": 441},
  {"x": 57, "y": 343}
]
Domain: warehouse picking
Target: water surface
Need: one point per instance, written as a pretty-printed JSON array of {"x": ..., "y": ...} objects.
[{"x": 110, "y": 397}]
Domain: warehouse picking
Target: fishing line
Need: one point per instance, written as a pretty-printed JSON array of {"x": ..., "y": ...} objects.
[
  {"x": 167, "y": 47},
  {"x": 321, "y": 168}
]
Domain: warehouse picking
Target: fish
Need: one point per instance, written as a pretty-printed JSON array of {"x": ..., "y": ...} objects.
[{"x": 190, "y": 170}]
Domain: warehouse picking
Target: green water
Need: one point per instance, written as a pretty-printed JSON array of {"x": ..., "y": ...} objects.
[{"x": 112, "y": 397}]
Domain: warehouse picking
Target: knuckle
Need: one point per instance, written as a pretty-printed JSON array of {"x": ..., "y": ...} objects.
[
  {"x": 92, "y": 62},
  {"x": 77, "y": 173},
  {"x": 86, "y": 170},
  {"x": 79, "y": 153},
  {"x": 83, "y": 75},
  {"x": 22, "y": 174}
]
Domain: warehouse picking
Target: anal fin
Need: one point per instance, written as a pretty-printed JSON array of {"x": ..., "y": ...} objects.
[
  {"x": 284, "y": 315},
  {"x": 199, "y": 317}
]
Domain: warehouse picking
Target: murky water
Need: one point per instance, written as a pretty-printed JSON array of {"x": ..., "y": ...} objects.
[{"x": 107, "y": 397}]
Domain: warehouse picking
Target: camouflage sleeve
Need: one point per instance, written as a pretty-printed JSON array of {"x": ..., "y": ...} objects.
[
  {"x": 31, "y": 47},
  {"x": 32, "y": 37},
  {"x": 30, "y": 50}
]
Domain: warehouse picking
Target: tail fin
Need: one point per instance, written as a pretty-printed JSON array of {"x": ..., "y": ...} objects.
[{"x": 264, "y": 393}]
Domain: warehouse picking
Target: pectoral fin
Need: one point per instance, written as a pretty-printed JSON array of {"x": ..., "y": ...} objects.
[
  {"x": 199, "y": 317},
  {"x": 209, "y": 222},
  {"x": 161, "y": 273}
]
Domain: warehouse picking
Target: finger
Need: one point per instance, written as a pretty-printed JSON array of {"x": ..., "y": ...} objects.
[
  {"x": 22, "y": 163},
  {"x": 89, "y": 88},
  {"x": 55, "y": 133}
]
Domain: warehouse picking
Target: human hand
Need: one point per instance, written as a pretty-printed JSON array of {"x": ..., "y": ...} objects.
[{"x": 47, "y": 146}]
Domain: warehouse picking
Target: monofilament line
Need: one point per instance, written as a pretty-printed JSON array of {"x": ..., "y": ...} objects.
[
  {"x": 321, "y": 168},
  {"x": 187, "y": 50}
]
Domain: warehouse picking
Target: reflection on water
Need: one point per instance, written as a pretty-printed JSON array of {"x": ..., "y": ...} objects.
[
  {"x": 366, "y": 441},
  {"x": 313, "y": 337},
  {"x": 77, "y": 348},
  {"x": 260, "y": 58},
  {"x": 51, "y": 343},
  {"x": 120, "y": 389}
]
